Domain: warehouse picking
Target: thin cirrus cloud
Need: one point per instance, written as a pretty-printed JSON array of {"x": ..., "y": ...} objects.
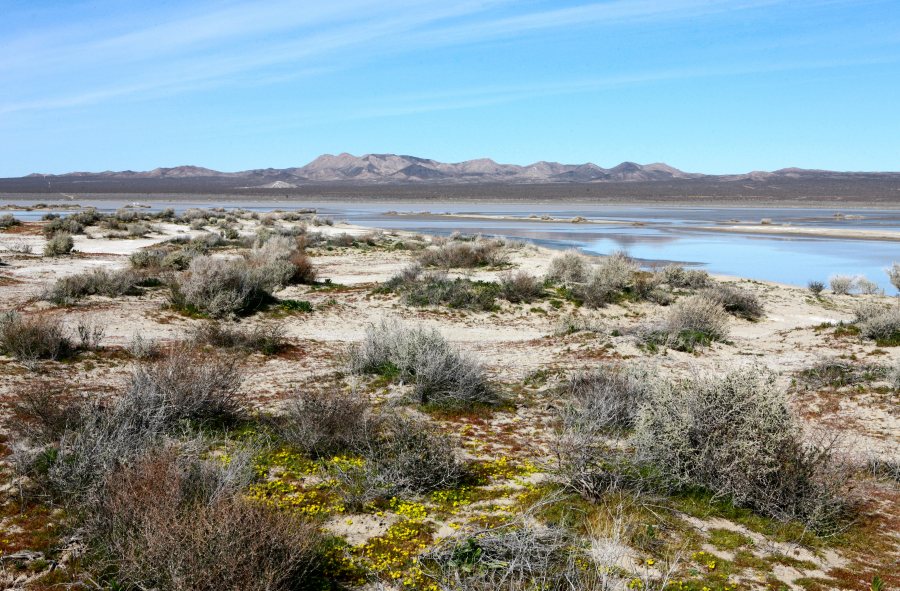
[{"x": 221, "y": 47}]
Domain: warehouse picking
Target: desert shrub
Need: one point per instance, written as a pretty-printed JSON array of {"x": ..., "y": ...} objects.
[
  {"x": 691, "y": 322},
  {"x": 433, "y": 289},
  {"x": 41, "y": 414},
  {"x": 188, "y": 384},
  {"x": 738, "y": 302},
  {"x": 568, "y": 268},
  {"x": 8, "y": 220},
  {"x": 893, "y": 273},
  {"x": 480, "y": 252},
  {"x": 520, "y": 287},
  {"x": 842, "y": 284},
  {"x": 608, "y": 280},
  {"x": 173, "y": 521},
  {"x": 59, "y": 244},
  {"x": 90, "y": 334},
  {"x": 143, "y": 348},
  {"x": 866, "y": 286},
  {"x": 220, "y": 287},
  {"x": 67, "y": 225},
  {"x": 30, "y": 338},
  {"x": 408, "y": 456},
  {"x": 441, "y": 374},
  {"x": 266, "y": 338},
  {"x": 736, "y": 437},
  {"x": 137, "y": 230},
  {"x": 837, "y": 373},
  {"x": 815, "y": 287},
  {"x": 98, "y": 281},
  {"x": 604, "y": 400},
  {"x": 322, "y": 424},
  {"x": 148, "y": 259},
  {"x": 572, "y": 322},
  {"x": 516, "y": 556},
  {"x": 279, "y": 261},
  {"x": 883, "y": 328},
  {"x": 679, "y": 276}
]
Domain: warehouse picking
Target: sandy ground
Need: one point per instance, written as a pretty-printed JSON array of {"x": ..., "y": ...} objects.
[{"x": 515, "y": 342}]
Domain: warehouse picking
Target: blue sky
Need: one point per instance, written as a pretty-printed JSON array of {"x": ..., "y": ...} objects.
[{"x": 712, "y": 86}]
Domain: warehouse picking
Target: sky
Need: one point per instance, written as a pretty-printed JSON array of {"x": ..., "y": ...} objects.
[{"x": 714, "y": 86}]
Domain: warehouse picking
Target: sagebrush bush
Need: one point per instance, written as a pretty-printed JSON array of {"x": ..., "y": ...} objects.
[
  {"x": 409, "y": 456},
  {"x": 520, "y": 287},
  {"x": 842, "y": 284},
  {"x": 31, "y": 338},
  {"x": 279, "y": 260},
  {"x": 480, "y": 252},
  {"x": 736, "y": 437},
  {"x": 680, "y": 276},
  {"x": 266, "y": 338},
  {"x": 691, "y": 322},
  {"x": 815, "y": 287},
  {"x": 738, "y": 302},
  {"x": 148, "y": 259},
  {"x": 98, "y": 281},
  {"x": 173, "y": 521},
  {"x": 882, "y": 327},
  {"x": 8, "y": 220},
  {"x": 607, "y": 280},
  {"x": 570, "y": 268},
  {"x": 188, "y": 384},
  {"x": 893, "y": 273},
  {"x": 516, "y": 556},
  {"x": 604, "y": 400},
  {"x": 441, "y": 374},
  {"x": 220, "y": 287},
  {"x": 325, "y": 423},
  {"x": 59, "y": 244},
  {"x": 436, "y": 288},
  {"x": 67, "y": 225}
]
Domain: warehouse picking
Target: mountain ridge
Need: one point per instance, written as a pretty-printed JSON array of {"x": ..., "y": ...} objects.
[{"x": 406, "y": 169}]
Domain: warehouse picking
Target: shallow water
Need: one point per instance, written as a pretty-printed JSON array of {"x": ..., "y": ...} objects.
[{"x": 645, "y": 232}]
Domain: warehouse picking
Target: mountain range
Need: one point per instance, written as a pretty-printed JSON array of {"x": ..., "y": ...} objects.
[{"x": 396, "y": 169}]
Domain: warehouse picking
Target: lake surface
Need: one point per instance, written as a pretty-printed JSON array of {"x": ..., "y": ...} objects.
[{"x": 647, "y": 233}]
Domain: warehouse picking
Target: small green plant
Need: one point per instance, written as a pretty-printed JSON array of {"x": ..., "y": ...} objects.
[{"x": 295, "y": 306}]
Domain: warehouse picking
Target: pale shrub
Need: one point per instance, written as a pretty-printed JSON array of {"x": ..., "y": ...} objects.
[
  {"x": 219, "y": 287},
  {"x": 608, "y": 279},
  {"x": 736, "y": 437},
  {"x": 679, "y": 276},
  {"x": 841, "y": 284},
  {"x": 441, "y": 374},
  {"x": 738, "y": 302},
  {"x": 59, "y": 244},
  {"x": 690, "y": 322},
  {"x": 569, "y": 268}
]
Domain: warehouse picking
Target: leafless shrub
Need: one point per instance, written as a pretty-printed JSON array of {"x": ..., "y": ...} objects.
[
  {"x": 480, "y": 252},
  {"x": 604, "y": 400},
  {"x": 815, "y": 287},
  {"x": 736, "y": 437},
  {"x": 143, "y": 348},
  {"x": 59, "y": 244},
  {"x": 98, "y": 281},
  {"x": 31, "y": 338},
  {"x": 572, "y": 322},
  {"x": 442, "y": 375},
  {"x": 41, "y": 414},
  {"x": 220, "y": 287},
  {"x": 893, "y": 273},
  {"x": 322, "y": 424},
  {"x": 842, "y": 284},
  {"x": 569, "y": 268},
  {"x": 866, "y": 286},
  {"x": 90, "y": 334},
  {"x": 520, "y": 287},
  {"x": 894, "y": 377},
  {"x": 695, "y": 321},
  {"x": 19, "y": 247},
  {"x": 682, "y": 277},
  {"x": 737, "y": 301},
  {"x": 266, "y": 338},
  {"x": 173, "y": 521},
  {"x": 408, "y": 456},
  {"x": 189, "y": 384}
]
